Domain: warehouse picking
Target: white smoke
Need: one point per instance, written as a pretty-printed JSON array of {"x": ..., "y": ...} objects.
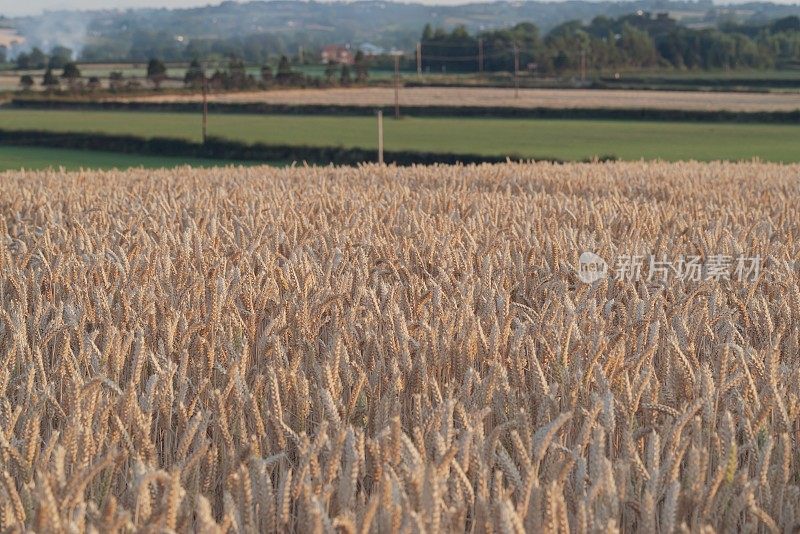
[{"x": 54, "y": 28}]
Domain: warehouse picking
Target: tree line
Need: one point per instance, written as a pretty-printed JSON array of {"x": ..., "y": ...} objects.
[
  {"x": 639, "y": 40},
  {"x": 232, "y": 75}
]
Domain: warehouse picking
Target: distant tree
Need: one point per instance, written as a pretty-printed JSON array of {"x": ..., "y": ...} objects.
[
  {"x": 786, "y": 24},
  {"x": 233, "y": 77},
  {"x": 195, "y": 75},
  {"x": 237, "y": 74},
  {"x": 72, "y": 75},
  {"x": 218, "y": 80},
  {"x": 156, "y": 72},
  {"x": 361, "y": 67},
  {"x": 637, "y": 46},
  {"x": 71, "y": 72},
  {"x": 283, "y": 66},
  {"x": 561, "y": 61},
  {"x": 344, "y": 75},
  {"x": 266, "y": 75},
  {"x": 94, "y": 83},
  {"x": 26, "y": 82},
  {"x": 3, "y": 54},
  {"x": 50, "y": 80},
  {"x": 37, "y": 58},
  {"x": 56, "y": 63},
  {"x": 23, "y": 61},
  {"x": 285, "y": 73},
  {"x": 59, "y": 56},
  {"x": 330, "y": 72},
  {"x": 116, "y": 80}
]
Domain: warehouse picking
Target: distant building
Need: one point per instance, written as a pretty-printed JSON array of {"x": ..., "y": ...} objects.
[
  {"x": 337, "y": 54},
  {"x": 370, "y": 49}
]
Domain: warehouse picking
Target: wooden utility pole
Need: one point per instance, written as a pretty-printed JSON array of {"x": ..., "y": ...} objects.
[
  {"x": 583, "y": 65},
  {"x": 300, "y": 57},
  {"x": 380, "y": 136},
  {"x": 419, "y": 59},
  {"x": 397, "y": 86},
  {"x": 205, "y": 107},
  {"x": 480, "y": 55},
  {"x": 516, "y": 71}
]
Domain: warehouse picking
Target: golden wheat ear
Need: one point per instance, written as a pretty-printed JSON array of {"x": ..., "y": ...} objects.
[{"x": 382, "y": 349}]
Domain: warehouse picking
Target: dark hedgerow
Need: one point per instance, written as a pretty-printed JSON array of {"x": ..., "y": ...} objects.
[
  {"x": 223, "y": 149},
  {"x": 644, "y": 114}
]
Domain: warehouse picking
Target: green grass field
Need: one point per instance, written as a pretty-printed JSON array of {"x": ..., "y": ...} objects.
[
  {"x": 566, "y": 139},
  {"x": 12, "y": 158},
  {"x": 717, "y": 74},
  {"x": 319, "y": 71}
]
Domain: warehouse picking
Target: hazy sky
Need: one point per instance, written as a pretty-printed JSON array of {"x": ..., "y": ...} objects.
[{"x": 33, "y": 7}]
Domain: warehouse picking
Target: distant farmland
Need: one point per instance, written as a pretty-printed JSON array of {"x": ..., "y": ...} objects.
[
  {"x": 530, "y": 138},
  {"x": 8, "y": 37},
  {"x": 493, "y": 97}
]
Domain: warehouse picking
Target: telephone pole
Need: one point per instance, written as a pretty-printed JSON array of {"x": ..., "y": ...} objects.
[
  {"x": 516, "y": 71},
  {"x": 380, "y": 136},
  {"x": 419, "y": 59},
  {"x": 205, "y": 108},
  {"x": 397, "y": 86},
  {"x": 480, "y": 55}
]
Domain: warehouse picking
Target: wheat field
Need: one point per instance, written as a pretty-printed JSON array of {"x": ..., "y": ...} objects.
[
  {"x": 383, "y": 349},
  {"x": 499, "y": 97}
]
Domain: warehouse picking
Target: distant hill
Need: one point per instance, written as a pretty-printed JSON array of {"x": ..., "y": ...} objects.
[{"x": 288, "y": 25}]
